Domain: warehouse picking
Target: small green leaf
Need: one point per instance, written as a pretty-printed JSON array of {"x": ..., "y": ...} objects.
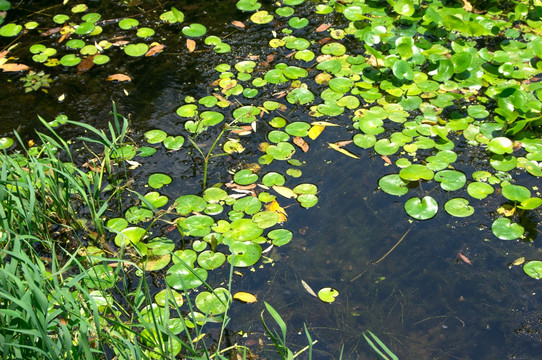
[
  {"x": 421, "y": 209},
  {"x": 504, "y": 229}
]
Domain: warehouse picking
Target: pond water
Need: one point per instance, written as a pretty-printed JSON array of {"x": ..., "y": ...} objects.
[{"x": 422, "y": 299}]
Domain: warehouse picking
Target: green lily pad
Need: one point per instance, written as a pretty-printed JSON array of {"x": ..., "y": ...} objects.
[
  {"x": 266, "y": 219},
  {"x": 273, "y": 178},
  {"x": 250, "y": 205},
  {"x": 173, "y": 297},
  {"x": 421, "y": 209},
  {"x": 128, "y": 23},
  {"x": 307, "y": 200},
  {"x": 130, "y": 235},
  {"x": 451, "y": 180},
  {"x": 298, "y": 128},
  {"x": 298, "y": 23},
  {"x": 157, "y": 180},
  {"x": 85, "y": 28},
  {"x": 117, "y": 224},
  {"x": 531, "y": 203},
  {"x": 145, "y": 32},
  {"x": 60, "y": 18},
  {"x": 213, "y": 303},
  {"x": 281, "y": 151},
  {"x": 137, "y": 214},
  {"x": 155, "y": 136},
  {"x": 402, "y": 70},
  {"x": 386, "y": 147},
  {"x": 280, "y": 237},
  {"x": 261, "y": 17},
  {"x": 248, "y": 5},
  {"x": 458, "y": 207},
  {"x": 173, "y": 142},
  {"x": 244, "y": 230},
  {"x": 245, "y": 177},
  {"x": 136, "y": 50},
  {"x": 156, "y": 199},
  {"x": 214, "y": 195},
  {"x": 100, "y": 59},
  {"x": 70, "y": 60},
  {"x": 300, "y": 96},
  {"x": 416, "y": 172},
  {"x": 160, "y": 246},
  {"x": 210, "y": 260},
  {"x": 190, "y": 203},
  {"x": 194, "y": 30},
  {"x": 479, "y": 190},
  {"x": 334, "y": 48},
  {"x": 500, "y": 145},
  {"x": 533, "y": 269},
  {"x": 180, "y": 277},
  {"x": 327, "y": 294},
  {"x": 10, "y": 30},
  {"x": 6, "y": 142},
  {"x": 187, "y": 256},
  {"x": 285, "y": 11},
  {"x": 393, "y": 184},
  {"x": 100, "y": 277},
  {"x": 516, "y": 192},
  {"x": 504, "y": 229},
  {"x": 196, "y": 225},
  {"x": 247, "y": 253}
]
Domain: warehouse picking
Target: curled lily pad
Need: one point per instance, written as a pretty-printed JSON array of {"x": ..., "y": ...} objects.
[
  {"x": 533, "y": 269},
  {"x": 421, "y": 209},
  {"x": 504, "y": 229}
]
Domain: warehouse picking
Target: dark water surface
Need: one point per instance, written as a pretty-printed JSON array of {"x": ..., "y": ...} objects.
[{"x": 421, "y": 299}]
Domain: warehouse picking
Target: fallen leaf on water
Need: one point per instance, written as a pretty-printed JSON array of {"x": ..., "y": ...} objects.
[
  {"x": 386, "y": 159},
  {"x": 315, "y": 131},
  {"x": 155, "y": 50},
  {"x": 14, "y": 67},
  {"x": 322, "y": 27},
  {"x": 238, "y": 24},
  {"x": 120, "y": 43},
  {"x": 343, "y": 143},
  {"x": 308, "y": 288},
  {"x": 467, "y": 6},
  {"x": 518, "y": 261},
  {"x": 342, "y": 151},
  {"x": 191, "y": 45},
  {"x": 301, "y": 143},
  {"x": 119, "y": 77},
  {"x": 270, "y": 58},
  {"x": 240, "y": 187},
  {"x": 245, "y": 297},
  {"x": 274, "y": 206},
  {"x": 284, "y": 191},
  {"x": 242, "y": 130},
  {"x": 464, "y": 258},
  {"x": 3, "y": 54},
  {"x": 85, "y": 65},
  {"x": 50, "y": 31},
  {"x": 323, "y": 123}
]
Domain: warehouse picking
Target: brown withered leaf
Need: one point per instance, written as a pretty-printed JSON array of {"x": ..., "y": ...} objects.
[
  {"x": 343, "y": 143},
  {"x": 467, "y": 6},
  {"x": 50, "y": 31},
  {"x": 322, "y": 27},
  {"x": 243, "y": 129},
  {"x": 240, "y": 187},
  {"x": 190, "y": 45},
  {"x": 270, "y": 58},
  {"x": 324, "y": 40},
  {"x": 14, "y": 67},
  {"x": 464, "y": 258},
  {"x": 238, "y": 24},
  {"x": 85, "y": 64},
  {"x": 301, "y": 143},
  {"x": 3, "y": 54},
  {"x": 119, "y": 77},
  {"x": 120, "y": 43},
  {"x": 155, "y": 50},
  {"x": 386, "y": 159}
]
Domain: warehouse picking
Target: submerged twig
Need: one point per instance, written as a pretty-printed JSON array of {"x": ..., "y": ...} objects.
[{"x": 394, "y": 246}]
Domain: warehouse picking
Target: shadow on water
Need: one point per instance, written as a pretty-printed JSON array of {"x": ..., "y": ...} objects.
[{"x": 422, "y": 299}]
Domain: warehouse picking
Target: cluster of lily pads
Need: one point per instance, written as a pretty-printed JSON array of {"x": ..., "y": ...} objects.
[{"x": 82, "y": 38}]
